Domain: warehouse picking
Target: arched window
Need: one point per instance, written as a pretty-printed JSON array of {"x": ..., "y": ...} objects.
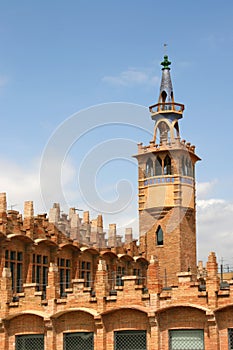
[
  {"x": 184, "y": 167},
  {"x": 158, "y": 166},
  {"x": 159, "y": 236},
  {"x": 189, "y": 168},
  {"x": 167, "y": 166},
  {"x": 176, "y": 128},
  {"x": 164, "y": 132},
  {"x": 149, "y": 168}
]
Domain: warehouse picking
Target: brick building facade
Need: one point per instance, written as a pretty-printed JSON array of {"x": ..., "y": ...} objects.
[{"x": 64, "y": 285}]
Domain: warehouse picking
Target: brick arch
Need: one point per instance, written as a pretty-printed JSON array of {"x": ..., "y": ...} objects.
[
  {"x": 180, "y": 317},
  {"x": 74, "y": 321},
  {"x": 125, "y": 318},
  {"x": 223, "y": 317},
  {"x": 224, "y": 321},
  {"x": 25, "y": 323}
]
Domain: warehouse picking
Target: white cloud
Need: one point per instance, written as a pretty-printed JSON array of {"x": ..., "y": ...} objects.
[
  {"x": 131, "y": 77},
  {"x": 205, "y": 188},
  {"x": 215, "y": 228},
  {"x": 22, "y": 182}
]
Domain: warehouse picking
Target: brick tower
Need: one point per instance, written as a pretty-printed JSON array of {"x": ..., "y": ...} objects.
[{"x": 167, "y": 189}]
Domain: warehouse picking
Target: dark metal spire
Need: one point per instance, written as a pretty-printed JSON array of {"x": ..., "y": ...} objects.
[{"x": 166, "y": 90}]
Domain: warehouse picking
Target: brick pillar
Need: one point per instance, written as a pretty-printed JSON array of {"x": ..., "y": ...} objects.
[
  {"x": 128, "y": 235},
  {"x": 212, "y": 280},
  {"x": 213, "y": 336},
  {"x": 86, "y": 228},
  {"x": 4, "y": 339},
  {"x": 100, "y": 233},
  {"x": 54, "y": 213},
  {"x": 154, "y": 332},
  {"x": 3, "y": 205},
  {"x": 50, "y": 339},
  {"x": 154, "y": 283},
  {"x": 100, "y": 339},
  {"x": 53, "y": 289},
  {"x": 3, "y": 214},
  {"x": 28, "y": 222},
  {"x": 112, "y": 235},
  {"x": 101, "y": 284},
  {"x": 28, "y": 261},
  {"x": 74, "y": 224},
  {"x": 6, "y": 288}
]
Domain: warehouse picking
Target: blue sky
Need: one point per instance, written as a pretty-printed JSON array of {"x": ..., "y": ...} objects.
[{"x": 58, "y": 58}]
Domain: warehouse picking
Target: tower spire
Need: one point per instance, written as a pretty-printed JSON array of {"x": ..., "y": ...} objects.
[
  {"x": 166, "y": 103},
  {"x": 166, "y": 90}
]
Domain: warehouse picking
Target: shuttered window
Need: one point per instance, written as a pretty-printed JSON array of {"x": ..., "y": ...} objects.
[
  {"x": 29, "y": 342},
  {"x": 188, "y": 339},
  {"x": 230, "y": 338},
  {"x": 79, "y": 341},
  {"x": 130, "y": 340}
]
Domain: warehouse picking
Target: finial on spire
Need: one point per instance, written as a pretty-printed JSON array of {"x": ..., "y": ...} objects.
[{"x": 165, "y": 63}]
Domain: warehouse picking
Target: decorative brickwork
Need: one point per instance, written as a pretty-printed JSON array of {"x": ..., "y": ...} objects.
[{"x": 65, "y": 286}]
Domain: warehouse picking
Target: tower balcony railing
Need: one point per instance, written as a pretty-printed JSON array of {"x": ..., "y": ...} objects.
[{"x": 167, "y": 107}]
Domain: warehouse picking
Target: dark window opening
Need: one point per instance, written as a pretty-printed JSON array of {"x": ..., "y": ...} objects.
[
  {"x": 187, "y": 167},
  {"x": 230, "y": 338},
  {"x": 130, "y": 340},
  {"x": 167, "y": 166},
  {"x": 158, "y": 166},
  {"x": 29, "y": 341},
  {"x": 79, "y": 341},
  {"x": 149, "y": 168},
  {"x": 14, "y": 261},
  {"x": 85, "y": 272},
  {"x": 64, "y": 267},
  {"x": 40, "y": 270},
  {"x": 164, "y": 96},
  {"x": 176, "y": 128},
  {"x": 159, "y": 236},
  {"x": 164, "y": 132},
  {"x": 120, "y": 274}
]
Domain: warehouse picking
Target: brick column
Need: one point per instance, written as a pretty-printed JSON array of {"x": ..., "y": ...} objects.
[
  {"x": 50, "y": 339},
  {"x": 212, "y": 280},
  {"x": 213, "y": 336},
  {"x": 101, "y": 284},
  {"x": 4, "y": 339},
  {"x": 28, "y": 222},
  {"x": 100, "y": 339},
  {"x": 3, "y": 214},
  {"x": 6, "y": 288},
  {"x": 154, "y": 332},
  {"x": 52, "y": 289},
  {"x": 154, "y": 283}
]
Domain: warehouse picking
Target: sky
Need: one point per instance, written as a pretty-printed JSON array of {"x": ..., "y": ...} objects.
[{"x": 76, "y": 80}]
